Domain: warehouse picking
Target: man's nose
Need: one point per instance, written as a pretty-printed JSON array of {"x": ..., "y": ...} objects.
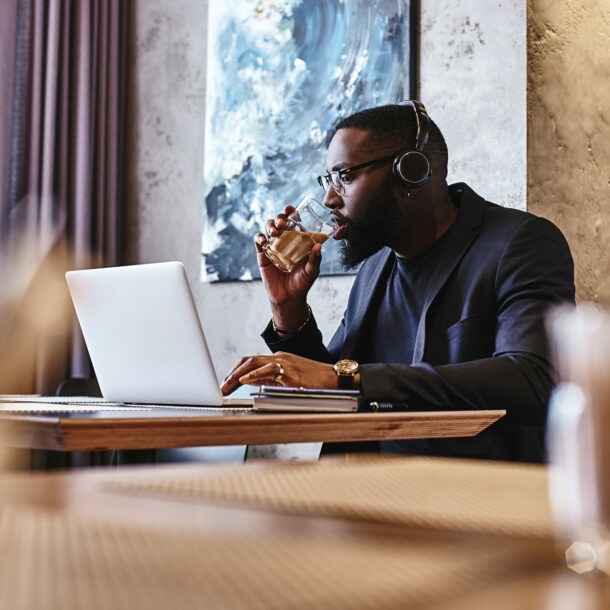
[{"x": 332, "y": 199}]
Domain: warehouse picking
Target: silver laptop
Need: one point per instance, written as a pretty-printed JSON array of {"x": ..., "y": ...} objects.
[{"x": 144, "y": 336}]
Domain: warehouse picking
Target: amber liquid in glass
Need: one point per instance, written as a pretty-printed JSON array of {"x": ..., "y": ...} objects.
[{"x": 289, "y": 248}]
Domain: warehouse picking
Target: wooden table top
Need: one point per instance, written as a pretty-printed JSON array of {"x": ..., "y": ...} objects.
[
  {"x": 171, "y": 428},
  {"x": 370, "y": 533}
]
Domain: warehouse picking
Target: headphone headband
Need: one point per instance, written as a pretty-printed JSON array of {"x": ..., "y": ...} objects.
[
  {"x": 411, "y": 167},
  {"x": 422, "y": 122}
]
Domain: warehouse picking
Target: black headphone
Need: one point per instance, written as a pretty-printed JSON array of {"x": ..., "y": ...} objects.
[{"x": 411, "y": 167}]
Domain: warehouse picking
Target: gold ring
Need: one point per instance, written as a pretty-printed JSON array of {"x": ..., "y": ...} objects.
[{"x": 279, "y": 376}]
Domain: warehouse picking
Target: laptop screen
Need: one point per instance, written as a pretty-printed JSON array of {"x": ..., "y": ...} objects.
[{"x": 143, "y": 334}]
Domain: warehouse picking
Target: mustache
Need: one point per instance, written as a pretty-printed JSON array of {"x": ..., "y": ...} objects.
[{"x": 339, "y": 218}]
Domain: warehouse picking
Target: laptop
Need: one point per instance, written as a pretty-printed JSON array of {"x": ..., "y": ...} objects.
[{"x": 144, "y": 337}]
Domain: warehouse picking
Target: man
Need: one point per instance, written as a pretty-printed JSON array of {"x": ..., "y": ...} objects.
[{"x": 447, "y": 309}]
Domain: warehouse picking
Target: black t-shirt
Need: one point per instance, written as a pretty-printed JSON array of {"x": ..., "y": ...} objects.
[{"x": 394, "y": 327}]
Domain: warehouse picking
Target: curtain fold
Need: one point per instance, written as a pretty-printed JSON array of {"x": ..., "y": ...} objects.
[{"x": 64, "y": 68}]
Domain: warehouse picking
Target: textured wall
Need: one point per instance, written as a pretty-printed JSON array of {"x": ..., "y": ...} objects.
[
  {"x": 569, "y": 131},
  {"x": 473, "y": 83}
]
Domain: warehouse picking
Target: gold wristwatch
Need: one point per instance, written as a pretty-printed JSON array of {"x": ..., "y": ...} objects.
[{"x": 346, "y": 370}]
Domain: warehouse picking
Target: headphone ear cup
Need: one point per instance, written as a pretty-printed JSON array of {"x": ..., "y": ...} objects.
[{"x": 411, "y": 168}]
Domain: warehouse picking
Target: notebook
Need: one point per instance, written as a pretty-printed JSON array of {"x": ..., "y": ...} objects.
[
  {"x": 282, "y": 398},
  {"x": 144, "y": 337}
]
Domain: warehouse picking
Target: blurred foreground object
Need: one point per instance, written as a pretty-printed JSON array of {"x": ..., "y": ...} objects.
[
  {"x": 579, "y": 427},
  {"x": 35, "y": 321}
]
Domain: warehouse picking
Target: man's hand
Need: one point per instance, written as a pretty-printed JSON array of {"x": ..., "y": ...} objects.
[
  {"x": 280, "y": 368},
  {"x": 287, "y": 292}
]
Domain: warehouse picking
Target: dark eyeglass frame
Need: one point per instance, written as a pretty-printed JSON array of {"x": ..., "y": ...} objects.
[{"x": 335, "y": 179}]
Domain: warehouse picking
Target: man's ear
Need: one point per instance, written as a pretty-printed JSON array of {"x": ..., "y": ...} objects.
[{"x": 405, "y": 192}]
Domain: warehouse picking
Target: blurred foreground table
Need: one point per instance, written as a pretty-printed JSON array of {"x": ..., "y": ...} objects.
[
  {"x": 373, "y": 532},
  {"x": 159, "y": 428}
]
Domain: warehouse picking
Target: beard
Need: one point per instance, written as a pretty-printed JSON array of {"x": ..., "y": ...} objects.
[{"x": 369, "y": 233}]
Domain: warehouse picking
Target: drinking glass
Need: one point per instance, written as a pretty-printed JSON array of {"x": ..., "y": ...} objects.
[
  {"x": 308, "y": 224},
  {"x": 579, "y": 432}
]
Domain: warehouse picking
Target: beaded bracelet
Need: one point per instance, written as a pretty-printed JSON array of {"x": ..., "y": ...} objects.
[{"x": 293, "y": 332}]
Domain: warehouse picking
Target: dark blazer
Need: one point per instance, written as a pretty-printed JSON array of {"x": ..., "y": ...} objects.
[{"x": 481, "y": 341}]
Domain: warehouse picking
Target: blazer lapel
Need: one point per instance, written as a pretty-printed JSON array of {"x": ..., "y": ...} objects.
[
  {"x": 462, "y": 233},
  {"x": 378, "y": 276}
]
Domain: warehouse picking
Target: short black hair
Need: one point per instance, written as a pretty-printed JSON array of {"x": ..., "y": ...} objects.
[{"x": 395, "y": 126}]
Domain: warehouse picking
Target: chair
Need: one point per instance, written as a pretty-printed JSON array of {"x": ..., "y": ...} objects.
[{"x": 78, "y": 386}]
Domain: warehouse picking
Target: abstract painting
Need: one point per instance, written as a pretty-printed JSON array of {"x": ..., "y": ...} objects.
[{"x": 280, "y": 74}]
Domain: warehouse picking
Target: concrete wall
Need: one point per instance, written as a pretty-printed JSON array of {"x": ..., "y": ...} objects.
[
  {"x": 473, "y": 82},
  {"x": 569, "y": 131}
]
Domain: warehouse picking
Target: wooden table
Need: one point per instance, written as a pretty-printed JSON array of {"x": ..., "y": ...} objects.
[
  {"x": 171, "y": 428},
  {"x": 372, "y": 533}
]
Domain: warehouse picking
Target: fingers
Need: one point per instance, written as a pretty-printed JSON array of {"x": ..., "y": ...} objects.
[
  {"x": 274, "y": 226},
  {"x": 231, "y": 382},
  {"x": 259, "y": 241},
  {"x": 313, "y": 262},
  {"x": 269, "y": 373},
  {"x": 280, "y": 368},
  {"x": 255, "y": 370}
]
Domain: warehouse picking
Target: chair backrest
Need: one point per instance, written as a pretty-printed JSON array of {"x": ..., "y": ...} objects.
[{"x": 78, "y": 386}]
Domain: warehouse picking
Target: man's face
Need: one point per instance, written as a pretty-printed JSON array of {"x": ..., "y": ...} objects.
[{"x": 368, "y": 211}]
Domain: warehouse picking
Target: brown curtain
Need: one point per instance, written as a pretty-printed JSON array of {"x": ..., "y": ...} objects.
[{"x": 62, "y": 113}]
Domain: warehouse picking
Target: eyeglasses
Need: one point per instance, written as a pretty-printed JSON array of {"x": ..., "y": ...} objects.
[{"x": 339, "y": 180}]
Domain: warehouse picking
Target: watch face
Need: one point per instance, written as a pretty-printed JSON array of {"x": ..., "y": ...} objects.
[{"x": 346, "y": 367}]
